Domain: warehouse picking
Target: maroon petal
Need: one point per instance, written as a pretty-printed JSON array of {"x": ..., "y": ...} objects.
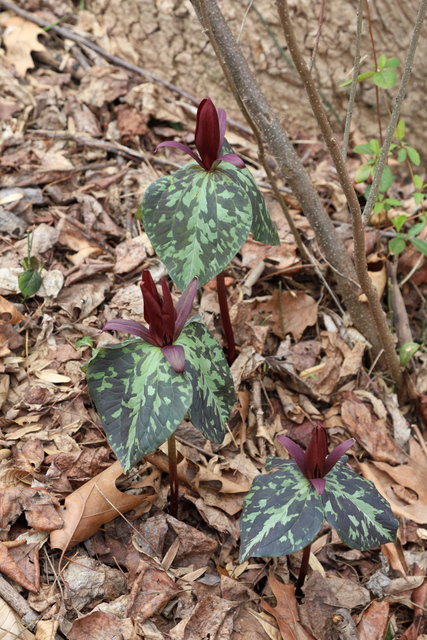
[
  {"x": 168, "y": 312},
  {"x": 153, "y": 311},
  {"x": 233, "y": 159},
  {"x": 316, "y": 452},
  {"x": 336, "y": 454},
  {"x": 207, "y": 133},
  {"x": 295, "y": 451},
  {"x": 175, "y": 355},
  {"x": 184, "y": 306},
  {"x": 130, "y": 326},
  {"x": 318, "y": 484},
  {"x": 148, "y": 285},
  {"x": 222, "y": 119},
  {"x": 183, "y": 147}
]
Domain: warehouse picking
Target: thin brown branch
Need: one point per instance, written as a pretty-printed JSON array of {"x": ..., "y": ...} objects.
[
  {"x": 290, "y": 166},
  {"x": 354, "y": 80},
  {"x": 349, "y": 192},
  {"x": 374, "y": 51},
  {"x": 318, "y": 34}
]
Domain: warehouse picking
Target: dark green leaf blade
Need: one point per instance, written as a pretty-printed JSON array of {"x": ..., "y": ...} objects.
[
  {"x": 282, "y": 513},
  {"x": 199, "y": 224},
  {"x": 359, "y": 514},
  {"x": 29, "y": 282},
  {"x": 139, "y": 397},
  {"x": 209, "y": 373},
  {"x": 263, "y": 228}
]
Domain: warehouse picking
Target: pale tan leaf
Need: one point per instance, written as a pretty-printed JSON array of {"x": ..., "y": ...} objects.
[{"x": 11, "y": 626}]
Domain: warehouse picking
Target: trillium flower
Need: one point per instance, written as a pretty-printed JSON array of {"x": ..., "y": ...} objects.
[
  {"x": 165, "y": 322},
  {"x": 208, "y": 138},
  {"x": 314, "y": 462}
]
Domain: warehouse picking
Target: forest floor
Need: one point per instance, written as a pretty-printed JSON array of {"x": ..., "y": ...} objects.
[{"x": 77, "y": 136}]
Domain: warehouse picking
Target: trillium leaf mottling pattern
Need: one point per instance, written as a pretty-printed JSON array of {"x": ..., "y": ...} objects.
[
  {"x": 139, "y": 397},
  {"x": 283, "y": 511},
  {"x": 211, "y": 381},
  {"x": 359, "y": 514},
  {"x": 199, "y": 223}
]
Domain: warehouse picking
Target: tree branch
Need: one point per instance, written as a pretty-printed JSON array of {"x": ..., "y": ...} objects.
[
  {"x": 395, "y": 113},
  {"x": 369, "y": 290},
  {"x": 353, "y": 81}
]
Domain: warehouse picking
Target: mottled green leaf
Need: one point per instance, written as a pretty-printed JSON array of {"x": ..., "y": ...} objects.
[
  {"x": 212, "y": 384},
  {"x": 359, "y": 514},
  {"x": 282, "y": 513},
  {"x": 139, "y": 397},
  {"x": 152, "y": 196},
  {"x": 200, "y": 222},
  {"x": 29, "y": 282},
  {"x": 263, "y": 229}
]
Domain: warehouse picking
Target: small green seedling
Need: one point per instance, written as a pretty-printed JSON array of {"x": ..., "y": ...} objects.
[
  {"x": 383, "y": 76},
  {"x": 406, "y": 352},
  {"x": 398, "y": 244},
  {"x": 284, "y": 510},
  {"x": 30, "y": 280}
]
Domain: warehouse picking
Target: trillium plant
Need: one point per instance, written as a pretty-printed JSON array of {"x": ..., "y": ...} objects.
[
  {"x": 285, "y": 510},
  {"x": 143, "y": 387},
  {"x": 200, "y": 216}
]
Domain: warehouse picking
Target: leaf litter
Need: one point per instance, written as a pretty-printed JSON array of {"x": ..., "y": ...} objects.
[{"x": 77, "y": 140}]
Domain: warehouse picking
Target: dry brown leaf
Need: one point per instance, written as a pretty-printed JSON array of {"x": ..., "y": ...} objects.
[
  {"x": 9, "y": 567},
  {"x": 369, "y": 432},
  {"x": 412, "y": 475},
  {"x": 94, "y": 625},
  {"x": 92, "y": 505},
  {"x": 195, "y": 548},
  {"x": 46, "y": 629},
  {"x": 11, "y": 626},
  {"x": 374, "y": 623},
  {"x": 20, "y": 37},
  {"x": 37, "y": 504},
  {"x": 211, "y": 619},
  {"x": 293, "y": 314},
  {"x": 9, "y": 314},
  {"x": 285, "y": 612}
]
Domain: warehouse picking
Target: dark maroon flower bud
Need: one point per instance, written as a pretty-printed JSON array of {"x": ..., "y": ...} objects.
[
  {"x": 314, "y": 462},
  {"x": 165, "y": 322},
  {"x": 208, "y": 138}
]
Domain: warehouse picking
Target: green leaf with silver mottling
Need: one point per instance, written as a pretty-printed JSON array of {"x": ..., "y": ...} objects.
[
  {"x": 200, "y": 222},
  {"x": 282, "y": 513},
  {"x": 359, "y": 514},
  {"x": 263, "y": 229},
  {"x": 211, "y": 380},
  {"x": 139, "y": 397},
  {"x": 152, "y": 195}
]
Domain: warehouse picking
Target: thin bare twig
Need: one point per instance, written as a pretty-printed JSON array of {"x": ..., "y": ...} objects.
[
  {"x": 354, "y": 79},
  {"x": 349, "y": 192},
  {"x": 395, "y": 113},
  {"x": 290, "y": 166},
  {"x": 377, "y": 95},
  {"x": 319, "y": 32}
]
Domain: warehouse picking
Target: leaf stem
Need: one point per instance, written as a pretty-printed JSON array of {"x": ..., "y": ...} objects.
[
  {"x": 354, "y": 80},
  {"x": 303, "y": 571},
  {"x": 225, "y": 318},
  {"x": 173, "y": 477}
]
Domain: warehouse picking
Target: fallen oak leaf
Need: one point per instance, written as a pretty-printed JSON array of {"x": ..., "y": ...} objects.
[
  {"x": 20, "y": 38},
  {"x": 374, "y": 622},
  {"x": 9, "y": 314},
  {"x": 9, "y": 567},
  {"x": 285, "y": 612},
  {"x": 92, "y": 505}
]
